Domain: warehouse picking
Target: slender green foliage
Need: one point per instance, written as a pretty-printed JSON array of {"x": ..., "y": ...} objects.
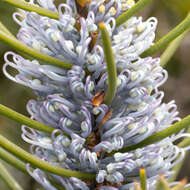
[
  {"x": 176, "y": 128},
  {"x": 8, "y": 32},
  {"x": 143, "y": 179},
  {"x": 171, "y": 49},
  {"x": 20, "y": 46},
  {"x": 8, "y": 179},
  {"x": 21, "y": 157},
  {"x": 34, "y": 161},
  {"x": 132, "y": 11},
  {"x": 13, "y": 161},
  {"x": 21, "y": 166},
  {"x": 5, "y": 29},
  {"x": 184, "y": 143},
  {"x": 181, "y": 185},
  {"x": 5, "y": 111},
  {"x": 111, "y": 66},
  {"x": 165, "y": 57},
  {"x": 30, "y": 7},
  {"x": 162, "y": 184},
  {"x": 168, "y": 38}
]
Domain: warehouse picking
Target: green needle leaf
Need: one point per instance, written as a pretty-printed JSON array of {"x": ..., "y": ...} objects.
[
  {"x": 8, "y": 179},
  {"x": 180, "y": 186},
  {"x": 29, "y": 7},
  {"x": 171, "y": 49},
  {"x": 5, "y": 29},
  {"x": 175, "y": 128},
  {"x": 143, "y": 179},
  {"x": 132, "y": 11},
  {"x": 13, "y": 161},
  {"x": 7, "y": 112},
  {"x": 162, "y": 184},
  {"x": 164, "y": 41},
  {"x": 111, "y": 66},
  {"x": 34, "y": 161},
  {"x": 177, "y": 169},
  {"x": 184, "y": 143},
  {"x": 18, "y": 45},
  {"x": 21, "y": 166}
]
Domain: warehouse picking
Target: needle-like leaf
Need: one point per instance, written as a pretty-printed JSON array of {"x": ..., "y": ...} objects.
[
  {"x": 36, "y": 162},
  {"x": 162, "y": 184},
  {"x": 168, "y": 38},
  {"x": 8, "y": 179},
  {"x": 30, "y": 7},
  {"x": 143, "y": 179},
  {"x": 7, "y": 112},
  {"x": 175, "y": 128},
  {"x": 132, "y": 11},
  {"x": 110, "y": 62},
  {"x": 20, "y": 46}
]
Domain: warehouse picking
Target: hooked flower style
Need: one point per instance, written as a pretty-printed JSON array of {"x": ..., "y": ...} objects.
[{"x": 72, "y": 101}]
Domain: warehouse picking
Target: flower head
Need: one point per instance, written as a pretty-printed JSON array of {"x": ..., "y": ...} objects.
[{"x": 72, "y": 101}]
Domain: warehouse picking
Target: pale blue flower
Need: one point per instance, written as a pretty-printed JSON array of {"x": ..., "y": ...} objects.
[{"x": 64, "y": 98}]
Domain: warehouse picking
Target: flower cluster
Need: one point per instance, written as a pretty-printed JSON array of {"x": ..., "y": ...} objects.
[{"x": 71, "y": 101}]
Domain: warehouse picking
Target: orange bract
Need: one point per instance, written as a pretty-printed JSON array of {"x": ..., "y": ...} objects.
[
  {"x": 104, "y": 120},
  {"x": 83, "y": 2},
  {"x": 98, "y": 98}
]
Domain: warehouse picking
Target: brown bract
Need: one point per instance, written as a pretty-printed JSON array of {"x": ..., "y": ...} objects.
[
  {"x": 98, "y": 186},
  {"x": 82, "y": 7},
  {"x": 94, "y": 36},
  {"x": 77, "y": 23},
  {"x": 107, "y": 116},
  {"x": 98, "y": 98}
]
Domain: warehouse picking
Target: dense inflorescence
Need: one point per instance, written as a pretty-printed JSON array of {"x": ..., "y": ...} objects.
[{"x": 71, "y": 101}]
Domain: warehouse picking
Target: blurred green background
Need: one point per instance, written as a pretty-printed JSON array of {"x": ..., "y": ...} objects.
[{"x": 169, "y": 14}]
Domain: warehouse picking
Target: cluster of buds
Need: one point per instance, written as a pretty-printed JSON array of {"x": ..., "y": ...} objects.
[{"x": 88, "y": 128}]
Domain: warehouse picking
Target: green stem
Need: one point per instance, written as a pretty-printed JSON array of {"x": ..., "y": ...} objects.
[
  {"x": 21, "y": 166},
  {"x": 132, "y": 11},
  {"x": 7, "y": 112},
  {"x": 181, "y": 185},
  {"x": 57, "y": 186},
  {"x": 171, "y": 49},
  {"x": 10, "y": 159},
  {"x": 111, "y": 66},
  {"x": 175, "y": 128},
  {"x": 8, "y": 179},
  {"x": 34, "y": 161},
  {"x": 177, "y": 169},
  {"x": 18, "y": 45},
  {"x": 143, "y": 179},
  {"x": 29, "y": 7},
  {"x": 162, "y": 184},
  {"x": 184, "y": 143},
  {"x": 168, "y": 38},
  {"x": 5, "y": 29},
  {"x": 55, "y": 183}
]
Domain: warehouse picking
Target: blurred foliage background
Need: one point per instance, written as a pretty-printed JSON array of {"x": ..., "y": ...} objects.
[{"x": 169, "y": 14}]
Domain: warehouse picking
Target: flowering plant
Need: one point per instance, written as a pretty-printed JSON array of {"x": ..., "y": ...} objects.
[{"x": 98, "y": 121}]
